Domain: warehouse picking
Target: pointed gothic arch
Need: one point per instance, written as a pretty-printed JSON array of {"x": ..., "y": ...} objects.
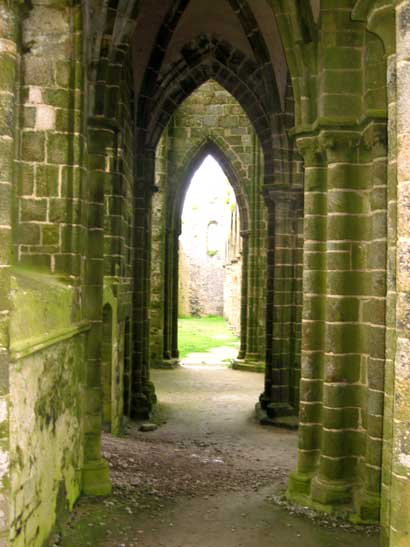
[{"x": 226, "y": 159}]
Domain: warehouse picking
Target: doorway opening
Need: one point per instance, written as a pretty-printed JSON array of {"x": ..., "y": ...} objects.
[{"x": 210, "y": 255}]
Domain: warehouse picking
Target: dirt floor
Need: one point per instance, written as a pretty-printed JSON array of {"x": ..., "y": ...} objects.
[{"x": 207, "y": 477}]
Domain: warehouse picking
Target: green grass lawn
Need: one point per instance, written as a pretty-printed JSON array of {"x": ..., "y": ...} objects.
[{"x": 199, "y": 335}]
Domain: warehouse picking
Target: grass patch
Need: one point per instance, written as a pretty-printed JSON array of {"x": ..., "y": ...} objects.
[{"x": 199, "y": 335}]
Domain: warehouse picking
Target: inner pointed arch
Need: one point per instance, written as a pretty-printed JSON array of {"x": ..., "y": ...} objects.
[{"x": 236, "y": 180}]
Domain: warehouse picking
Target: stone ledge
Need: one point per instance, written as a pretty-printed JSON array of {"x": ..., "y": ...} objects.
[
  {"x": 33, "y": 345},
  {"x": 251, "y": 366}
]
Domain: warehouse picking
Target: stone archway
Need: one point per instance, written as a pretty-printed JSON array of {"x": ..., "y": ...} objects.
[{"x": 246, "y": 180}]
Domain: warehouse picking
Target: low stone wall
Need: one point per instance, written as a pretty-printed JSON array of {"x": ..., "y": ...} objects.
[{"x": 47, "y": 381}]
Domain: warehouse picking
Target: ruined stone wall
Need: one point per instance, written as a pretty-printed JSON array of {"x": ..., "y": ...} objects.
[{"x": 204, "y": 285}]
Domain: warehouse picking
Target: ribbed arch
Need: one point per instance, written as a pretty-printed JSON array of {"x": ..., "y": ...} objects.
[{"x": 208, "y": 58}]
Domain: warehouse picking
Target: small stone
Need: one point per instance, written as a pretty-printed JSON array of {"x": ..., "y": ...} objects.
[{"x": 148, "y": 427}]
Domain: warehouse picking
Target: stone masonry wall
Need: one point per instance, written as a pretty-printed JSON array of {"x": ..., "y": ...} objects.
[
  {"x": 72, "y": 250},
  {"x": 47, "y": 335}
]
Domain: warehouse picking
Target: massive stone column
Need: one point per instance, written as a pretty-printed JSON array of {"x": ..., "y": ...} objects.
[
  {"x": 95, "y": 479},
  {"x": 346, "y": 230},
  {"x": 140, "y": 397},
  {"x": 313, "y": 315},
  {"x": 142, "y": 390},
  {"x": 281, "y": 365},
  {"x": 341, "y": 401}
]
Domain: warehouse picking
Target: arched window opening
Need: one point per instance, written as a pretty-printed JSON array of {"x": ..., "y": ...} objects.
[{"x": 213, "y": 238}]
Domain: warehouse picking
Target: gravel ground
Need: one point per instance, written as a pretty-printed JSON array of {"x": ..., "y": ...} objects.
[{"x": 208, "y": 476}]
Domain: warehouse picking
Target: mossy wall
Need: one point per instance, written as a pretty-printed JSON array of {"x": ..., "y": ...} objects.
[{"x": 47, "y": 381}]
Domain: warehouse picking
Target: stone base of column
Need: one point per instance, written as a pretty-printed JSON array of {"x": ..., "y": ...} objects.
[
  {"x": 141, "y": 407},
  {"x": 167, "y": 364},
  {"x": 367, "y": 508},
  {"x": 286, "y": 421},
  {"x": 298, "y": 490},
  {"x": 96, "y": 479},
  {"x": 248, "y": 365},
  {"x": 331, "y": 493},
  {"x": 149, "y": 391},
  {"x": 336, "y": 497},
  {"x": 325, "y": 497}
]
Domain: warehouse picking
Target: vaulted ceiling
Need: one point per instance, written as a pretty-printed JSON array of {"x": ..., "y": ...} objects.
[{"x": 247, "y": 25}]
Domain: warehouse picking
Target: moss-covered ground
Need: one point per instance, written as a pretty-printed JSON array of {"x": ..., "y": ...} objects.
[{"x": 204, "y": 334}]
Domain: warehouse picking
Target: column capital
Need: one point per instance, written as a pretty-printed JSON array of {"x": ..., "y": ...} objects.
[
  {"x": 284, "y": 196},
  {"x": 375, "y": 136},
  {"x": 340, "y": 144},
  {"x": 310, "y": 150}
]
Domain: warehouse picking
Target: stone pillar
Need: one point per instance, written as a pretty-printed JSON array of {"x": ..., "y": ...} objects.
[
  {"x": 148, "y": 388},
  {"x": 170, "y": 359},
  {"x": 8, "y": 76},
  {"x": 314, "y": 282},
  {"x": 251, "y": 356},
  {"x": 270, "y": 379},
  {"x": 169, "y": 257},
  {"x": 282, "y": 234},
  {"x": 391, "y": 303},
  {"x": 344, "y": 282},
  {"x": 347, "y": 286},
  {"x": 244, "y": 295},
  {"x": 157, "y": 274},
  {"x": 175, "y": 287},
  {"x": 95, "y": 476},
  {"x": 142, "y": 390},
  {"x": 140, "y": 402}
]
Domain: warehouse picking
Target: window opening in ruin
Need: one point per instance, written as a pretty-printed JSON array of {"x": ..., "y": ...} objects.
[{"x": 209, "y": 269}]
